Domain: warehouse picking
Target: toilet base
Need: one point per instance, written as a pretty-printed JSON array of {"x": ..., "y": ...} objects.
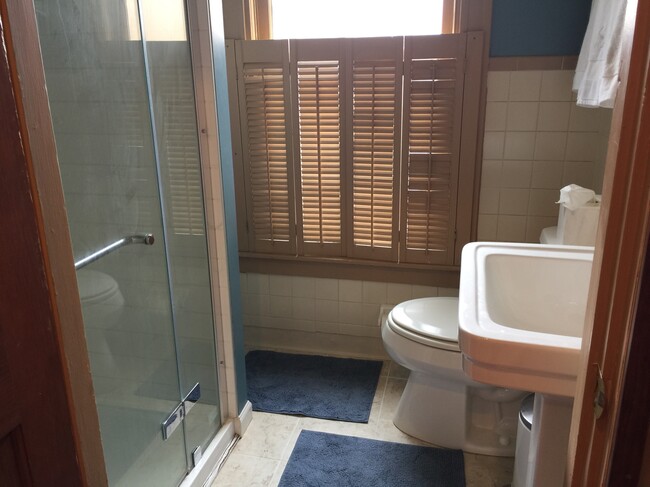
[{"x": 453, "y": 415}]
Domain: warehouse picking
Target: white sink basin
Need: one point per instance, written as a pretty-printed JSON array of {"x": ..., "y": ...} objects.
[{"x": 521, "y": 314}]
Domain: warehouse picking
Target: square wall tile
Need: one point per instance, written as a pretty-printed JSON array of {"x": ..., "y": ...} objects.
[
  {"x": 495, "y": 116},
  {"x": 487, "y": 227},
  {"x": 326, "y": 310},
  {"x": 556, "y": 86},
  {"x": 514, "y": 202},
  {"x": 491, "y": 174},
  {"x": 303, "y": 308},
  {"x": 511, "y": 228},
  {"x": 519, "y": 145},
  {"x": 522, "y": 116},
  {"x": 302, "y": 287},
  {"x": 374, "y": 292},
  {"x": 580, "y": 173},
  {"x": 280, "y": 285},
  {"x": 489, "y": 201},
  {"x": 550, "y": 146},
  {"x": 584, "y": 119},
  {"x": 424, "y": 291},
  {"x": 582, "y": 146},
  {"x": 525, "y": 85},
  {"x": 547, "y": 174},
  {"x": 516, "y": 174},
  {"x": 498, "y": 83},
  {"x": 543, "y": 202},
  {"x": 258, "y": 283},
  {"x": 351, "y": 291},
  {"x": 493, "y": 145},
  {"x": 397, "y": 293},
  {"x": 326, "y": 288},
  {"x": 553, "y": 116},
  {"x": 351, "y": 313},
  {"x": 281, "y": 306}
]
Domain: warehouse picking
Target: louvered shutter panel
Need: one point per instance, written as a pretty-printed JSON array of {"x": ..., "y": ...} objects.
[
  {"x": 316, "y": 79},
  {"x": 263, "y": 86},
  {"x": 433, "y": 95},
  {"x": 374, "y": 87}
]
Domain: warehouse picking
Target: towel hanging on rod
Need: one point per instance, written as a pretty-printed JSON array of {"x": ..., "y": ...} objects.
[{"x": 597, "y": 73}]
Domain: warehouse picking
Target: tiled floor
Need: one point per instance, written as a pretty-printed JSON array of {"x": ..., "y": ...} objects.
[{"x": 261, "y": 455}]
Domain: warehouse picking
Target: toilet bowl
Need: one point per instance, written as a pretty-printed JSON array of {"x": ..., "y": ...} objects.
[
  {"x": 102, "y": 304},
  {"x": 440, "y": 404}
]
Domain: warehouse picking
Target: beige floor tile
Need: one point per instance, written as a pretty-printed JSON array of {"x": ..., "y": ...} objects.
[
  {"x": 392, "y": 395},
  {"x": 398, "y": 372},
  {"x": 245, "y": 470},
  {"x": 484, "y": 471},
  {"x": 267, "y": 435},
  {"x": 277, "y": 475}
]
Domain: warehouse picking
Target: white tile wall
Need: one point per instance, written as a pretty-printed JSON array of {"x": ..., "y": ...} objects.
[
  {"x": 536, "y": 141},
  {"x": 321, "y": 315}
]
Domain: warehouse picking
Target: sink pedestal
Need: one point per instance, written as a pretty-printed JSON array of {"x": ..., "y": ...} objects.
[{"x": 549, "y": 441}]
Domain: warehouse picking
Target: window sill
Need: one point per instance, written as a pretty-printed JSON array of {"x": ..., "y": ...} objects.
[{"x": 339, "y": 268}]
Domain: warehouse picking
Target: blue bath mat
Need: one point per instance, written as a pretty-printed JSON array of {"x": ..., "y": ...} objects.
[
  {"x": 311, "y": 385},
  {"x": 323, "y": 459}
]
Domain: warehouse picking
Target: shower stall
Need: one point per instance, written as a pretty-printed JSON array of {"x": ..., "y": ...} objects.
[{"x": 122, "y": 97}]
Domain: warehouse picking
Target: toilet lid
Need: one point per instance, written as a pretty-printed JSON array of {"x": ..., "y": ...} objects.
[
  {"x": 429, "y": 317},
  {"x": 95, "y": 286}
]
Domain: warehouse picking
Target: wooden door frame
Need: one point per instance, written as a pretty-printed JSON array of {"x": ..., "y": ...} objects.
[
  {"x": 598, "y": 453},
  {"x": 23, "y": 50}
]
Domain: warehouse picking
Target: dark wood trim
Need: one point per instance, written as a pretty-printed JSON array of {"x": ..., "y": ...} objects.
[
  {"x": 618, "y": 264},
  {"x": 361, "y": 270},
  {"x": 56, "y": 247},
  {"x": 37, "y": 418},
  {"x": 634, "y": 415}
]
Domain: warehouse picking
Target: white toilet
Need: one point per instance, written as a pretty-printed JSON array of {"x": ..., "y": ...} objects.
[
  {"x": 102, "y": 304},
  {"x": 440, "y": 404}
]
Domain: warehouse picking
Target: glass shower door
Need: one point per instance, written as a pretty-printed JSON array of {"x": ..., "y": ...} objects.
[{"x": 120, "y": 87}]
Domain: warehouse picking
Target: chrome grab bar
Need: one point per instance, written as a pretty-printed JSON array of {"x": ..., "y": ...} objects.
[{"x": 146, "y": 239}]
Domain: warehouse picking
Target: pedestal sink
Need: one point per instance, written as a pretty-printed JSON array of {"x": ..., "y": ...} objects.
[{"x": 521, "y": 314}]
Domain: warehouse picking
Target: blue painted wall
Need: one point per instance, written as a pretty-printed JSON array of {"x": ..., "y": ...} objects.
[
  {"x": 538, "y": 27},
  {"x": 228, "y": 183}
]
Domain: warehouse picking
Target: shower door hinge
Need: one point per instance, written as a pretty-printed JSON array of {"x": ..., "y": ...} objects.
[{"x": 177, "y": 416}]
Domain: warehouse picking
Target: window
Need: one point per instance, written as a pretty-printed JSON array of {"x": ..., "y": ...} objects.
[
  {"x": 354, "y": 148},
  {"x": 309, "y": 19}
]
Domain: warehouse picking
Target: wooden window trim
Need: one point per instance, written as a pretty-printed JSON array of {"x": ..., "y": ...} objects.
[{"x": 354, "y": 269}]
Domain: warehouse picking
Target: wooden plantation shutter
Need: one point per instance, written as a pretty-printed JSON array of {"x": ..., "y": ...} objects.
[
  {"x": 431, "y": 140},
  {"x": 374, "y": 88},
  {"x": 263, "y": 86},
  {"x": 316, "y": 83}
]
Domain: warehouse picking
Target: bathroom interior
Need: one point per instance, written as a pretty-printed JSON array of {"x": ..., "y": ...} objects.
[{"x": 148, "y": 103}]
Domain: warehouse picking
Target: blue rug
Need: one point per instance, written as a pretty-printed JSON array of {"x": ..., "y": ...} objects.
[
  {"x": 311, "y": 385},
  {"x": 322, "y": 459}
]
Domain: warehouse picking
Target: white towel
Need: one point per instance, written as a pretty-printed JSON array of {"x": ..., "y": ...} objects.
[{"x": 597, "y": 74}]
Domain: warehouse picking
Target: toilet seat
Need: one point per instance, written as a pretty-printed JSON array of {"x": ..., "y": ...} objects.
[
  {"x": 95, "y": 286},
  {"x": 430, "y": 321}
]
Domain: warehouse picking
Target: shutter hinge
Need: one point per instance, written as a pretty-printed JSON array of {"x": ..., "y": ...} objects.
[{"x": 600, "y": 400}]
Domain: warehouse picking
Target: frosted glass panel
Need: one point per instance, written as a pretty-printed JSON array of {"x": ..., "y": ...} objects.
[{"x": 124, "y": 119}]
